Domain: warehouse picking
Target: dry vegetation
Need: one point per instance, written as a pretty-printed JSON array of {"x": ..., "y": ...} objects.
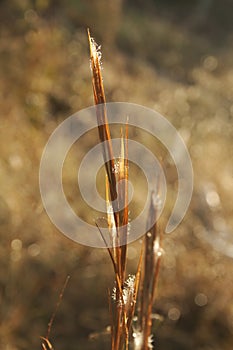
[{"x": 182, "y": 69}]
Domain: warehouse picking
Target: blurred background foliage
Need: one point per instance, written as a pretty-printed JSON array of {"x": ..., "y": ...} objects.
[{"x": 173, "y": 56}]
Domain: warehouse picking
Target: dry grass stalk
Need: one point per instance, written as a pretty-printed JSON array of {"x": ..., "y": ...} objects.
[
  {"x": 149, "y": 278},
  {"x": 99, "y": 98},
  {"x": 46, "y": 344},
  {"x": 125, "y": 293},
  {"x": 142, "y": 286}
]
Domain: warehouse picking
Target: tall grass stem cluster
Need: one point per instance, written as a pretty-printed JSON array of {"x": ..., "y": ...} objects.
[{"x": 132, "y": 299}]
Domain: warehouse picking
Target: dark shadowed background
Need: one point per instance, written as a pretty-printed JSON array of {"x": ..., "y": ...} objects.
[{"x": 172, "y": 56}]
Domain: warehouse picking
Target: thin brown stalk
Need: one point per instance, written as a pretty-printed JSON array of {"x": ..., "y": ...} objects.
[
  {"x": 123, "y": 177},
  {"x": 57, "y": 306},
  {"x": 149, "y": 279},
  {"x": 136, "y": 289},
  {"x": 46, "y": 344},
  {"x": 109, "y": 249},
  {"x": 101, "y": 112}
]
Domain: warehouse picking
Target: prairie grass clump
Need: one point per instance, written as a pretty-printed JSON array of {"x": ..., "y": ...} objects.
[
  {"x": 132, "y": 297},
  {"x": 131, "y": 303}
]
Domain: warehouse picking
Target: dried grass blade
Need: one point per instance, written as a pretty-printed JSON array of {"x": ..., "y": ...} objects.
[
  {"x": 136, "y": 289},
  {"x": 124, "y": 200},
  {"x": 46, "y": 345},
  {"x": 109, "y": 249},
  {"x": 101, "y": 113}
]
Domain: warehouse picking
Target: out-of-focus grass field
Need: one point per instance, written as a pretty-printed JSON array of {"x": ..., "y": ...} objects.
[{"x": 173, "y": 56}]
